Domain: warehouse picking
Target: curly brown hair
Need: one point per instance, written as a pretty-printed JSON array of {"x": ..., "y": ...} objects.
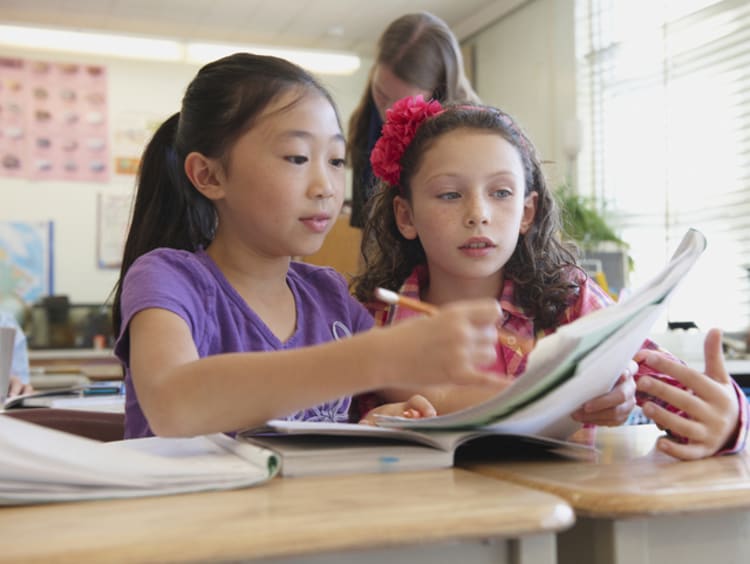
[{"x": 543, "y": 266}]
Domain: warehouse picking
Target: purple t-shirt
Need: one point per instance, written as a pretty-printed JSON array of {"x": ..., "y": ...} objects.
[{"x": 192, "y": 286}]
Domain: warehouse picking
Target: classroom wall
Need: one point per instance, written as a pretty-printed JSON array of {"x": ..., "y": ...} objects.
[
  {"x": 137, "y": 89},
  {"x": 525, "y": 64}
]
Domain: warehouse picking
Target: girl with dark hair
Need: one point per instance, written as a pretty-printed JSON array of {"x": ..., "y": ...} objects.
[
  {"x": 215, "y": 320},
  {"x": 463, "y": 211},
  {"x": 416, "y": 54}
]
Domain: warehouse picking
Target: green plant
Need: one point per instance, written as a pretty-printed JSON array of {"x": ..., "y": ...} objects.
[{"x": 582, "y": 221}]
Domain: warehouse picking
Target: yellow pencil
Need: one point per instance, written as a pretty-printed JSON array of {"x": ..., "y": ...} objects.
[{"x": 393, "y": 298}]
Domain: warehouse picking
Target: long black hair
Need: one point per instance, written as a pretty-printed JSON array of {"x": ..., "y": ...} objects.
[{"x": 220, "y": 104}]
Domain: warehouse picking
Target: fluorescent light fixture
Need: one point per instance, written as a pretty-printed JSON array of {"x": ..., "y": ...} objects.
[
  {"x": 324, "y": 62},
  {"x": 105, "y": 44},
  {"x": 132, "y": 47}
]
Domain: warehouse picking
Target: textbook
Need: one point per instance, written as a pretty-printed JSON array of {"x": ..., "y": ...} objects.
[
  {"x": 42, "y": 465},
  {"x": 103, "y": 395},
  {"x": 578, "y": 362},
  {"x": 307, "y": 448}
]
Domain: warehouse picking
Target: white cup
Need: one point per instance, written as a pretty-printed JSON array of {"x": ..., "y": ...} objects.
[{"x": 7, "y": 340}]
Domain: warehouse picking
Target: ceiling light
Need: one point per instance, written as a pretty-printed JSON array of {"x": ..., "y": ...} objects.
[
  {"x": 132, "y": 47},
  {"x": 105, "y": 44}
]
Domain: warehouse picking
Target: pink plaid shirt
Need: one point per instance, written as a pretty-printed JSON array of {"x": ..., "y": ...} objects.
[{"x": 518, "y": 329}]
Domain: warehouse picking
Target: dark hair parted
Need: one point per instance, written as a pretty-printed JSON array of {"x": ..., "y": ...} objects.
[
  {"x": 220, "y": 105},
  {"x": 542, "y": 266},
  {"x": 421, "y": 50}
]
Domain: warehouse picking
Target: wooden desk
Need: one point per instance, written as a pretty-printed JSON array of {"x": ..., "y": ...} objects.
[
  {"x": 636, "y": 505},
  {"x": 55, "y": 367},
  {"x": 415, "y": 517}
]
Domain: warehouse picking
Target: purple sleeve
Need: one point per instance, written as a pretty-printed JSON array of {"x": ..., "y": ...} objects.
[{"x": 157, "y": 280}]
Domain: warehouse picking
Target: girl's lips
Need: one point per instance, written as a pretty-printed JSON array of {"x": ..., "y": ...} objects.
[
  {"x": 477, "y": 247},
  {"x": 317, "y": 223}
]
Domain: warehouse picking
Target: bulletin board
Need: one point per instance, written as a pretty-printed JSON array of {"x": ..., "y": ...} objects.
[{"x": 53, "y": 119}]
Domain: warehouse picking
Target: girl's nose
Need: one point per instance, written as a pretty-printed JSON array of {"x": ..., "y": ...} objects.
[
  {"x": 477, "y": 214},
  {"x": 321, "y": 186}
]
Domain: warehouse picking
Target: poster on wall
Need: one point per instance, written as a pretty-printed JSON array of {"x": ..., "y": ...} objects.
[
  {"x": 112, "y": 220},
  {"x": 26, "y": 259},
  {"x": 132, "y": 131},
  {"x": 53, "y": 120}
]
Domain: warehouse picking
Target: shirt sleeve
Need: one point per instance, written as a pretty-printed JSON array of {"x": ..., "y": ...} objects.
[
  {"x": 20, "y": 360},
  {"x": 166, "y": 282}
]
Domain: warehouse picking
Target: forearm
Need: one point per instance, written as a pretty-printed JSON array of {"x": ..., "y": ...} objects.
[{"x": 233, "y": 391}]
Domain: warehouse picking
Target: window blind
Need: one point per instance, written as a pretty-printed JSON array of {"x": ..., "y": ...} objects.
[{"x": 664, "y": 103}]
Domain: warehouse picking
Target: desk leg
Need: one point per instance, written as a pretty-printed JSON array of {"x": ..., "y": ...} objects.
[
  {"x": 533, "y": 548},
  {"x": 717, "y": 536}
]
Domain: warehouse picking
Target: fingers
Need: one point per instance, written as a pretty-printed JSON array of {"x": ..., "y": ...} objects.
[
  {"x": 714, "y": 356},
  {"x": 16, "y": 387},
  {"x": 693, "y": 442},
  {"x": 418, "y": 406},
  {"x": 679, "y": 398},
  {"x": 682, "y": 451},
  {"x": 709, "y": 387},
  {"x": 614, "y": 407},
  {"x": 691, "y": 430}
]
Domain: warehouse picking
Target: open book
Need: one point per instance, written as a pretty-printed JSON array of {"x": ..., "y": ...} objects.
[
  {"x": 40, "y": 465},
  {"x": 312, "y": 448},
  {"x": 578, "y": 362}
]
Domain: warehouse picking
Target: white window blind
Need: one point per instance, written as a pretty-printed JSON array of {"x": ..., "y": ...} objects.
[{"x": 664, "y": 101}]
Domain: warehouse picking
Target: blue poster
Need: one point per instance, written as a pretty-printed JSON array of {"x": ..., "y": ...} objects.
[{"x": 26, "y": 259}]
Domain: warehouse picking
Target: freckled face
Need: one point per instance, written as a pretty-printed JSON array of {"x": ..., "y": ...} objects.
[
  {"x": 468, "y": 206},
  {"x": 285, "y": 183},
  {"x": 387, "y": 88}
]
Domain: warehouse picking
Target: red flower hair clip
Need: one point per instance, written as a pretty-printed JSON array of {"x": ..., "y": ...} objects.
[{"x": 401, "y": 124}]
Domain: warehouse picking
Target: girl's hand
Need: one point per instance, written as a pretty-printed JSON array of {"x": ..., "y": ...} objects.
[
  {"x": 450, "y": 347},
  {"x": 709, "y": 403},
  {"x": 17, "y": 388},
  {"x": 414, "y": 408},
  {"x": 612, "y": 408}
]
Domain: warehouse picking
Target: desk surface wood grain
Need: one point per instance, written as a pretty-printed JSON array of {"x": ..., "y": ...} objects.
[
  {"x": 629, "y": 477},
  {"x": 287, "y": 517}
]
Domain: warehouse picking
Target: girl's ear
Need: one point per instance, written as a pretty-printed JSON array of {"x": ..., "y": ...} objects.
[
  {"x": 205, "y": 174},
  {"x": 529, "y": 212},
  {"x": 404, "y": 218}
]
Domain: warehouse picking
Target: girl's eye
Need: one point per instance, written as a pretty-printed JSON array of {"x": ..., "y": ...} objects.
[
  {"x": 338, "y": 163},
  {"x": 449, "y": 196},
  {"x": 502, "y": 193},
  {"x": 296, "y": 159}
]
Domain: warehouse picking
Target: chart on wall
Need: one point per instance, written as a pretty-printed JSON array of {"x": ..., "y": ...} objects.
[
  {"x": 26, "y": 259},
  {"x": 113, "y": 215},
  {"x": 53, "y": 120}
]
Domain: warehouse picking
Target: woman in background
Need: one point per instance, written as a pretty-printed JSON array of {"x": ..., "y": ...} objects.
[{"x": 416, "y": 54}]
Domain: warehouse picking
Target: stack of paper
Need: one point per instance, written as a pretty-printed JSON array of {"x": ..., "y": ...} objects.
[{"x": 39, "y": 465}]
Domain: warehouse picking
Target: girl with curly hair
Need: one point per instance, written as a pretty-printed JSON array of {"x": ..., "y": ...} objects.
[{"x": 463, "y": 211}]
